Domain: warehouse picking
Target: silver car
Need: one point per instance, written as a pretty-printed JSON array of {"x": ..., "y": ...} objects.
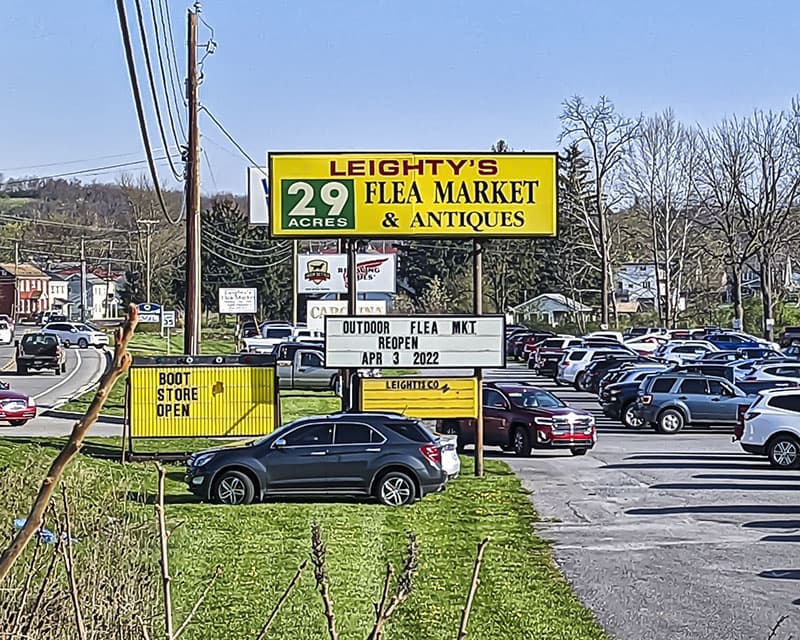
[{"x": 77, "y": 333}]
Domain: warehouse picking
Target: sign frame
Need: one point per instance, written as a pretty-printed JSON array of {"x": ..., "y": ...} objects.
[
  {"x": 318, "y": 324},
  {"x": 474, "y": 380},
  {"x": 168, "y": 319},
  {"x": 336, "y": 268},
  {"x": 281, "y": 233},
  {"x": 248, "y": 311},
  {"x": 149, "y": 312},
  {"x": 501, "y": 363}
]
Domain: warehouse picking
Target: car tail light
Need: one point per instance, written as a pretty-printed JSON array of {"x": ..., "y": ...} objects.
[
  {"x": 647, "y": 399},
  {"x": 432, "y": 453}
]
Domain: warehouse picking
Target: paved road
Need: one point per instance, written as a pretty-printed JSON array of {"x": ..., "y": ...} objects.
[
  {"x": 670, "y": 537},
  {"x": 84, "y": 368}
]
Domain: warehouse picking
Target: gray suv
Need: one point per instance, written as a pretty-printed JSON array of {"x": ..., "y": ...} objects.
[
  {"x": 670, "y": 401},
  {"x": 388, "y": 456}
]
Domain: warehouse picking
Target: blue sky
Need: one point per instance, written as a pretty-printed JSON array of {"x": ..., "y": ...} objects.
[{"x": 385, "y": 75}]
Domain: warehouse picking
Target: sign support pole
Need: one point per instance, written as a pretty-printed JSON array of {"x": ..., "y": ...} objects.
[
  {"x": 294, "y": 282},
  {"x": 348, "y": 384},
  {"x": 477, "y": 303}
]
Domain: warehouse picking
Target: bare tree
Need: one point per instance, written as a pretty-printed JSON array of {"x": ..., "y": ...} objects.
[
  {"x": 661, "y": 167},
  {"x": 605, "y": 135}
]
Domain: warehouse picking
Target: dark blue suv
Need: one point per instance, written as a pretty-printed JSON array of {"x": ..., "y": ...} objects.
[{"x": 388, "y": 456}]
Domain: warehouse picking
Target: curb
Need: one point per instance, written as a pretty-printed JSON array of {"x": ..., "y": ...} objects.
[{"x": 84, "y": 389}]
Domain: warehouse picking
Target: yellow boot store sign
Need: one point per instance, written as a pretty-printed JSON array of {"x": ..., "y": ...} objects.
[{"x": 376, "y": 195}]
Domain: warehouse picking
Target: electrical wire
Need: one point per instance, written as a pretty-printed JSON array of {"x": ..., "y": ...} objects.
[
  {"x": 228, "y": 135},
  {"x": 126, "y": 40},
  {"x": 94, "y": 171},
  {"x": 247, "y": 266},
  {"x": 171, "y": 39},
  {"x": 66, "y": 162},
  {"x": 55, "y": 223},
  {"x": 153, "y": 90},
  {"x": 210, "y": 171},
  {"x": 247, "y": 251},
  {"x": 178, "y": 141}
]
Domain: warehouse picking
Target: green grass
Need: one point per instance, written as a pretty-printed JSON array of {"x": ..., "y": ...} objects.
[{"x": 521, "y": 594}]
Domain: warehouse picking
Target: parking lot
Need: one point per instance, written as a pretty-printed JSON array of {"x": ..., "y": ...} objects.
[{"x": 679, "y": 536}]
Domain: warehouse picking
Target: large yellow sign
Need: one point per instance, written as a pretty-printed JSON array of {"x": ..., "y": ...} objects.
[
  {"x": 202, "y": 401},
  {"x": 376, "y": 195},
  {"x": 424, "y": 398}
]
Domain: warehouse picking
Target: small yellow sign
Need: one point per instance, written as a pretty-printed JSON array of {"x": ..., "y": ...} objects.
[
  {"x": 413, "y": 194},
  {"x": 202, "y": 401},
  {"x": 423, "y": 398}
]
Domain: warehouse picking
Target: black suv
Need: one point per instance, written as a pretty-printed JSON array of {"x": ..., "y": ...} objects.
[{"x": 388, "y": 456}]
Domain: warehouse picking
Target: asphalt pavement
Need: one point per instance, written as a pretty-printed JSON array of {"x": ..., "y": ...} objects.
[
  {"x": 84, "y": 369},
  {"x": 669, "y": 537}
]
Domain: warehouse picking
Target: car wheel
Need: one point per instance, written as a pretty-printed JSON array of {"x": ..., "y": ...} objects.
[
  {"x": 451, "y": 429},
  {"x": 395, "y": 489},
  {"x": 670, "y": 421},
  {"x": 83, "y": 343},
  {"x": 64, "y": 368},
  {"x": 579, "y": 382},
  {"x": 784, "y": 452},
  {"x": 22, "y": 370},
  {"x": 67, "y": 344},
  {"x": 233, "y": 487},
  {"x": 578, "y": 451},
  {"x": 521, "y": 442},
  {"x": 57, "y": 371},
  {"x": 17, "y": 423},
  {"x": 630, "y": 418}
]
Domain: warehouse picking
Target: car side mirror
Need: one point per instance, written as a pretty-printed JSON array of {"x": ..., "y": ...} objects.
[
  {"x": 73, "y": 330},
  {"x": 280, "y": 443},
  {"x": 5, "y": 386}
]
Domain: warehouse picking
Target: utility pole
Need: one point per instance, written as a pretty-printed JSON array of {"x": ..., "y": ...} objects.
[
  {"x": 108, "y": 279},
  {"x": 477, "y": 304},
  {"x": 191, "y": 330},
  {"x": 148, "y": 264},
  {"x": 295, "y": 297},
  {"x": 83, "y": 279},
  {"x": 15, "y": 313}
]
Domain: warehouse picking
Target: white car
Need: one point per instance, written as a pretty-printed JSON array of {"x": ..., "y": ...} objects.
[
  {"x": 684, "y": 352},
  {"x": 779, "y": 371},
  {"x": 6, "y": 333},
  {"x": 77, "y": 333},
  {"x": 574, "y": 362},
  {"x": 271, "y": 334},
  {"x": 647, "y": 344},
  {"x": 613, "y": 335},
  {"x": 772, "y": 428},
  {"x": 451, "y": 463}
]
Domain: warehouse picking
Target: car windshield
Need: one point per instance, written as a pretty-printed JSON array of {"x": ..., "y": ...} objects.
[
  {"x": 270, "y": 332},
  {"x": 534, "y": 398}
]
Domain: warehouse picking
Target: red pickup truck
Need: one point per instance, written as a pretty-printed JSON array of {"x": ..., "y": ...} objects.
[{"x": 518, "y": 417}]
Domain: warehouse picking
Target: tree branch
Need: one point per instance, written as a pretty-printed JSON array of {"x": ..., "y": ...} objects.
[
  {"x": 262, "y": 634},
  {"x": 69, "y": 565},
  {"x": 473, "y": 587},
  {"x": 163, "y": 535},
  {"x": 318, "y": 553},
  {"x": 121, "y": 363},
  {"x": 199, "y": 602}
]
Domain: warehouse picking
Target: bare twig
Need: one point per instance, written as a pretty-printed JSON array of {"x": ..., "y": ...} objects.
[
  {"x": 262, "y": 634},
  {"x": 28, "y": 580},
  {"x": 199, "y": 602},
  {"x": 69, "y": 565},
  {"x": 405, "y": 584},
  {"x": 164, "y": 537},
  {"x": 42, "y": 588},
  {"x": 473, "y": 587},
  {"x": 121, "y": 363},
  {"x": 143, "y": 626},
  {"x": 318, "y": 552},
  {"x": 777, "y": 626}
]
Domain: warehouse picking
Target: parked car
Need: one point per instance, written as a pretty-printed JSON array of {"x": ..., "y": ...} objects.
[
  {"x": 600, "y": 367},
  {"x": 388, "y": 456},
  {"x": 574, "y": 362},
  {"x": 728, "y": 371},
  {"x": 610, "y": 335},
  {"x": 683, "y": 352},
  {"x": 730, "y": 340},
  {"x": 40, "y": 351},
  {"x": 15, "y": 408},
  {"x": 670, "y": 401},
  {"x": 76, "y": 333},
  {"x": 6, "y": 333},
  {"x": 520, "y": 417},
  {"x": 790, "y": 336},
  {"x": 306, "y": 370},
  {"x": 270, "y": 335},
  {"x": 776, "y": 370},
  {"x": 647, "y": 344},
  {"x": 771, "y": 427},
  {"x": 549, "y": 353},
  {"x": 618, "y": 399},
  {"x": 518, "y": 345}
]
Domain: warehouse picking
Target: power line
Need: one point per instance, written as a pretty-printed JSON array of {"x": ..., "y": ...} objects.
[
  {"x": 65, "y": 162},
  {"x": 248, "y": 251},
  {"x": 210, "y": 171},
  {"x": 160, "y": 56},
  {"x": 95, "y": 171},
  {"x": 228, "y": 135},
  {"x": 174, "y": 65},
  {"x": 248, "y": 266},
  {"x": 152, "y": 82},
  {"x": 56, "y": 223},
  {"x": 126, "y": 40}
]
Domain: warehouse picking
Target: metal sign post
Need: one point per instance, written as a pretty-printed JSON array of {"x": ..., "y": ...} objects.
[{"x": 477, "y": 304}]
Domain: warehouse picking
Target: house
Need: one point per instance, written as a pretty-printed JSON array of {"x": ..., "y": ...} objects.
[
  {"x": 101, "y": 299},
  {"x": 636, "y": 282},
  {"x": 57, "y": 290},
  {"x": 26, "y": 284},
  {"x": 555, "y": 308}
]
